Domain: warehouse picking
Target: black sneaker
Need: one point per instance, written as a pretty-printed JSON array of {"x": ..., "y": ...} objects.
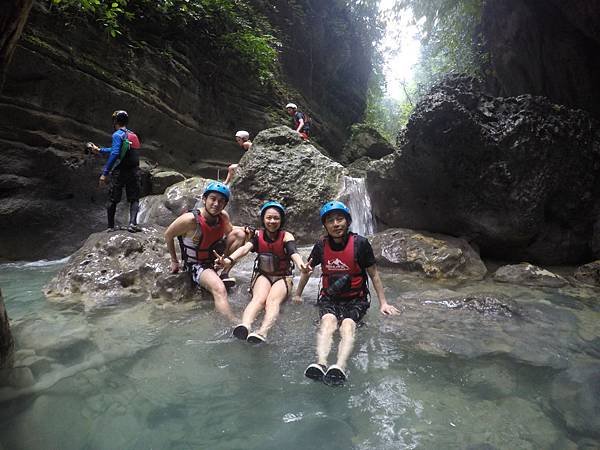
[
  {"x": 240, "y": 332},
  {"x": 133, "y": 228},
  {"x": 334, "y": 376},
  {"x": 315, "y": 371}
]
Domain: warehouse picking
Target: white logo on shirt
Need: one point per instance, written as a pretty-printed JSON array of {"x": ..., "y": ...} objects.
[{"x": 336, "y": 264}]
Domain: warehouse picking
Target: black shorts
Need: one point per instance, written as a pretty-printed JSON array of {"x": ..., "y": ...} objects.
[
  {"x": 344, "y": 309},
  {"x": 125, "y": 178}
]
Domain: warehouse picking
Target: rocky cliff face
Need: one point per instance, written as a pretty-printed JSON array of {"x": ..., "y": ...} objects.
[
  {"x": 548, "y": 48},
  {"x": 518, "y": 176},
  {"x": 185, "y": 102}
]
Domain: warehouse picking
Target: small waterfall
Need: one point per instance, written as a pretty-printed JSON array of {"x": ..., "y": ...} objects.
[{"x": 354, "y": 194}]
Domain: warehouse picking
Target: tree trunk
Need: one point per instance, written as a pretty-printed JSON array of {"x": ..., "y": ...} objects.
[{"x": 12, "y": 21}]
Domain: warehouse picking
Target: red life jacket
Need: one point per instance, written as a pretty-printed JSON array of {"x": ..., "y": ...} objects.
[
  {"x": 209, "y": 236},
  {"x": 336, "y": 264},
  {"x": 271, "y": 258}
]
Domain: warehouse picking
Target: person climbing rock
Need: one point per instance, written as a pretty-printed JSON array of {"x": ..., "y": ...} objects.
[
  {"x": 202, "y": 235},
  {"x": 346, "y": 258},
  {"x": 301, "y": 122},
  {"x": 243, "y": 140},
  {"x": 122, "y": 170},
  {"x": 272, "y": 278}
]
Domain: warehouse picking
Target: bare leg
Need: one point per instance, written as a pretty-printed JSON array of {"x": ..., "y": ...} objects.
[
  {"x": 260, "y": 291},
  {"x": 230, "y": 173},
  {"x": 347, "y": 332},
  {"x": 210, "y": 281},
  {"x": 325, "y": 337},
  {"x": 277, "y": 295}
]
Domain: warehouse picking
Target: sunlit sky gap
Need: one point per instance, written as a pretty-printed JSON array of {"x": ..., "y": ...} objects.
[{"x": 401, "y": 48}]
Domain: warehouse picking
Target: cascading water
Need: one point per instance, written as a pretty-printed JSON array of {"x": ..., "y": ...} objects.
[{"x": 354, "y": 194}]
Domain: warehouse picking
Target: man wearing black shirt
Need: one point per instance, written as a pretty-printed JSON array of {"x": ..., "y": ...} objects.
[{"x": 346, "y": 259}]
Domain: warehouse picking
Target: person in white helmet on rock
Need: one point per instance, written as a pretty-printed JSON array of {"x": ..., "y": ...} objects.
[
  {"x": 243, "y": 139},
  {"x": 301, "y": 120}
]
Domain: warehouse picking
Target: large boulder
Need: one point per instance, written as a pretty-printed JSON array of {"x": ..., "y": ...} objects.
[
  {"x": 281, "y": 166},
  {"x": 7, "y": 344},
  {"x": 517, "y": 176},
  {"x": 433, "y": 255},
  {"x": 177, "y": 199},
  {"x": 365, "y": 141},
  {"x": 119, "y": 266}
]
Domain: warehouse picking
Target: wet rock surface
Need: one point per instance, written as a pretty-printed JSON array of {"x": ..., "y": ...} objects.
[
  {"x": 119, "y": 266},
  {"x": 7, "y": 344},
  {"x": 519, "y": 176},
  {"x": 433, "y": 255},
  {"x": 588, "y": 273},
  {"x": 280, "y": 166},
  {"x": 528, "y": 275}
]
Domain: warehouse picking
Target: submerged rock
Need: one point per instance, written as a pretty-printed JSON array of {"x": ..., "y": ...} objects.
[
  {"x": 528, "y": 275},
  {"x": 434, "y": 255},
  {"x": 281, "y": 166},
  {"x": 7, "y": 344},
  {"x": 119, "y": 266},
  {"x": 518, "y": 176},
  {"x": 576, "y": 396},
  {"x": 484, "y": 303}
]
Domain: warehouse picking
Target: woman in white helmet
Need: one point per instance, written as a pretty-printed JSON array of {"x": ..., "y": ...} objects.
[{"x": 243, "y": 139}]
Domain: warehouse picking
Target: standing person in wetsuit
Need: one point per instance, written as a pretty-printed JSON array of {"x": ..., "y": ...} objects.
[
  {"x": 202, "y": 234},
  {"x": 346, "y": 258},
  {"x": 272, "y": 277},
  {"x": 301, "y": 124},
  {"x": 243, "y": 140},
  {"x": 122, "y": 170}
]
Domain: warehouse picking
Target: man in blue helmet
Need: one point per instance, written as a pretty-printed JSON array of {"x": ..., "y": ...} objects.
[
  {"x": 202, "y": 235},
  {"x": 346, "y": 259}
]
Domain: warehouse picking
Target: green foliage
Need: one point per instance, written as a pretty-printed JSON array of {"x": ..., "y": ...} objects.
[
  {"x": 450, "y": 42},
  {"x": 257, "y": 51},
  {"x": 450, "y": 38},
  {"x": 229, "y": 26}
]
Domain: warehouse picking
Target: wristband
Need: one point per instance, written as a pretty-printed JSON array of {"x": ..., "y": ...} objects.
[{"x": 230, "y": 259}]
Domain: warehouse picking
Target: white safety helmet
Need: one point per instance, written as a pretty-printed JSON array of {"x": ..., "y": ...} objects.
[
  {"x": 242, "y": 134},
  {"x": 291, "y": 105}
]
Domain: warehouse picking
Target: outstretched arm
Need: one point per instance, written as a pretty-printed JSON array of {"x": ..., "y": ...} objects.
[
  {"x": 227, "y": 261},
  {"x": 305, "y": 271},
  {"x": 384, "y": 306}
]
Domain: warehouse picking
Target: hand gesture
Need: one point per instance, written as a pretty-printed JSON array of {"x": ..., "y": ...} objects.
[
  {"x": 388, "y": 310},
  {"x": 250, "y": 232},
  {"x": 222, "y": 261},
  {"x": 174, "y": 266},
  {"x": 307, "y": 268}
]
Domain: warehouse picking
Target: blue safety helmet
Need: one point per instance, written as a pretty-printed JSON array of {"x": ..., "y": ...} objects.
[
  {"x": 272, "y": 204},
  {"x": 218, "y": 187},
  {"x": 335, "y": 206}
]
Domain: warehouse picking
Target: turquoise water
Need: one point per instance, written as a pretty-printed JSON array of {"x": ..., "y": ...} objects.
[{"x": 140, "y": 376}]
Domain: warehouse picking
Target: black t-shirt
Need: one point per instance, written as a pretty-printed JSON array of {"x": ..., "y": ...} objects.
[
  {"x": 362, "y": 251},
  {"x": 297, "y": 117}
]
